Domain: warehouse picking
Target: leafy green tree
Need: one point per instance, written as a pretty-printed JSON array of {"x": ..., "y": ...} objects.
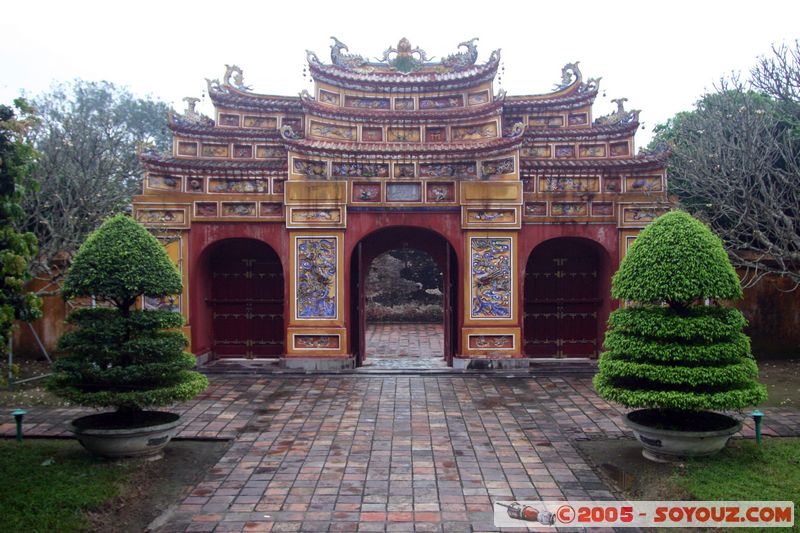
[
  {"x": 736, "y": 165},
  {"x": 16, "y": 249},
  {"x": 88, "y": 137},
  {"x": 675, "y": 347},
  {"x": 118, "y": 356}
]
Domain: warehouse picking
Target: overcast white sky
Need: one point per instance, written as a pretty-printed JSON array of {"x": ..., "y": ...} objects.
[{"x": 662, "y": 56}]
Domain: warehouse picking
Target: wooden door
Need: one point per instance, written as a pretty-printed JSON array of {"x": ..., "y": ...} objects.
[
  {"x": 246, "y": 301},
  {"x": 562, "y": 300}
]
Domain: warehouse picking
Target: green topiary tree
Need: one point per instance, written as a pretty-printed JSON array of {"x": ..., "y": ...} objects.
[
  {"x": 117, "y": 356},
  {"x": 675, "y": 348}
]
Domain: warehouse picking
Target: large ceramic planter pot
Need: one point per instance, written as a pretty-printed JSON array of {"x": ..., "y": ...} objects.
[
  {"x": 115, "y": 436},
  {"x": 666, "y": 445}
]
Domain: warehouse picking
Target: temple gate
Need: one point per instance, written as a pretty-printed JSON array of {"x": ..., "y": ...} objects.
[{"x": 276, "y": 206}]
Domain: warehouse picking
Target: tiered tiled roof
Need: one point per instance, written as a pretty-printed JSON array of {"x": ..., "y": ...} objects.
[{"x": 162, "y": 163}]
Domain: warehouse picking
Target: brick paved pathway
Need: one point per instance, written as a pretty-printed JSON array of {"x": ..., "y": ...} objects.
[
  {"x": 378, "y": 453},
  {"x": 404, "y": 346}
]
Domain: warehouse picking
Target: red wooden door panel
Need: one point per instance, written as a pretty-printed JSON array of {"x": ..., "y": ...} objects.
[
  {"x": 246, "y": 301},
  {"x": 561, "y": 300}
]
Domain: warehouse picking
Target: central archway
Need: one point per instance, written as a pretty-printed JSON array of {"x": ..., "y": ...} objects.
[{"x": 395, "y": 240}]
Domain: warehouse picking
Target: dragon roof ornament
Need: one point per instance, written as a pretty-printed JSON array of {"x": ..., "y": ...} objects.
[
  {"x": 232, "y": 79},
  {"x": 569, "y": 74},
  {"x": 620, "y": 116},
  {"x": 405, "y": 58},
  {"x": 191, "y": 115}
]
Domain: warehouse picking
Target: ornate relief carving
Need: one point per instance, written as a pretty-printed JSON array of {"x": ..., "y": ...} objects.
[
  {"x": 205, "y": 209},
  {"x": 592, "y": 150},
  {"x": 497, "y": 342},
  {"x": 618, "y": 149},
  {"x": 497, "y": 167},
  {"x": 226, "y": 119},
  {"x": 448, "y": 170},
  {"x": 363, "y": 102},
  {"x": 441, "y": 192},
  {"x": 360, "y": 170},
  {"x": 371, "y": 134},
  {"x": 552, "y": 121},
  {"x": 404, "y": 104},
  {"x": 246, "y": 186},
  {"x": 496, "y": 216},
  {"x": 366, "y": 192},
  {"x": 269, "y": 209},
  {"x": 315, "y": 293},
  {"x": 215, "y": 150},
  {"x": 462, "y": 60},
  {"x": 404, "y": 170},
  {"x": 327, "y": 97},
  {"x": 441, "y": 102},
  {"x": 577, "y": 119},
  {"x": 265, "y": 123},
  {"x": 238, "y": 209},
  {"x": 404, "y": 58},
  {"x": 311, "y": 169},
  {"x": 316, "y": 342},
  {"x": 340, "y": 59},
  {"x": 620, "y": 116},
  {"x": 403, "y": 192},
  {"x": 311, "y": 216},
  {"x": 565, "y": 151},
  {"x": 643, "y": 184},
  {"x": 187, "y": 148},
  {"x": 538, "y": 152},
  {"x": 270, "y": 152},
  {"x": 568, "y": 209},
  {"x": 478, "y": 98},
  {"x": 332, "y": 131},
  {"x": 536, "y": 209},
  {"x": 164, "y": 183},
  {"x": 161, "y": 216},
  {"x": 242, "y": 151},
  {"x": 476, "y": 132},
  {"x": 402, "y": 135},
  {"x": 612, "y": 184},
  {"x": 568, "y": 184},
  {"x": 490, "y": 273},
  {"x": 602, "y": 209}
]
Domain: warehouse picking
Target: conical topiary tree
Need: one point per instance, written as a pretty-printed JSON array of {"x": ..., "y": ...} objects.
[
  {"x": 118, "y": 356},
  {"x": 674, "y": 347}
]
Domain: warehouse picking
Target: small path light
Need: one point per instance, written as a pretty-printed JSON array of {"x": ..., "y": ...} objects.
[
  {"x": 18, "y": 414},
  {"x": 757, "y": 416}
]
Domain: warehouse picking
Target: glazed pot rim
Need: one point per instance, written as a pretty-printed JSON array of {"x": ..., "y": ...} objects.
[
  {"x": 735, "y": 427},
  {"x": 173, "y": 420}
]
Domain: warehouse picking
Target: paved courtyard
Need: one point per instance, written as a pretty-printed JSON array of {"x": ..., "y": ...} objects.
[
  {"x": 387, "y": 453},
  {"x": 404, "y": 346}
]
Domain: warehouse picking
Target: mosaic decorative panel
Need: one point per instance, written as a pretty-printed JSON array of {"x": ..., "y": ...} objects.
[
  {"x": 508, "y": 124},
  {"x": 592, "y": 150},
  {"x": 578, "y": 119},
  {"x": 164, "y": 183},
  {"x": 371, "y": 134},
  {"x": 171, "y": 302},
  {"x": 327, "y": 97},
  {"x": 360, "y": 170},
  {"x": 441, "y": 102},
  {"x": 270, "y": 209},
  {"x": 238, "y": 209},
  {"x": 311, "y": 169},
  {"x": 440, "y": 192},
  {"x": 643, "y": 184},
  {"x": 316, "y": 342},
  {"x": 315, "y": 281},
  {"x": 536, "y": 209},
  {"x": 295, "y": 123},
  {"x": 497, "y": 167},
  {"x": 640, "y": 215},
  {"x": 333, "y": 131},
  {"x": 260, "y": 122},
  {"x": 270, "y": 152},
  {"x": 612, "y": 184},
  {"x": 448, "y": 170},
  {"x": 366, "y": 192},
  {"x": 475, "y": 132},
  {"x": 185, "y": 148},
  {"x": 494, "y": 216},
  {"x": 494, "y": 342},
  {"x": 528, "y": 184},
  {"x": 435, "y": 135},
  {"x": 568, "y": 184},
  {"x": 215, "y": 150},
  {"x": 555, "y": 121},
  {"x": 228, "y": 120},
  {"x": 478, "y": 98},
  {"x": 404, "y": 104},
  {"x": 161, "y": 216},
  {"x": 403, "y": 192},
  {"x": 316, "y": 216},
  {"x": 278, "y": 185},
  {"x": 569, "y": 209},
  {"x": 540, "y": 152},
  {"x": 195, "y": 185},
  {"x": 565, "y": 151},
  {"x": 618, "y": 149},
  {"x": 366, "y": 103},
  {"x": 246, "y": 186},
  {"x": 402, "y": 135},
  {"x": 404, "y": 170},
  {"x": 242, "y": 151},
  {"x": 206, "y": 209},
  {"x": 490, "y": 277},
  {"x": 602, "y": 209}
]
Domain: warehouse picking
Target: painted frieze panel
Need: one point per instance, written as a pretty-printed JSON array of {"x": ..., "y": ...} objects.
[
  {"x": 643, "y": 184},
  {"x": 366, "y": 192},
  {"x": 236, "y": 186},
  {"x": 226, "y": 119},
  {"x": 315, "y": 216},
  {"x": 612, "y": 184},
  {"x": 592, "y": 150},
  {"x": 441, "y": 102},
  {"x": 360, "y": 170},
  {"x": 316, "y": 342},
  {"x": 474, "y": 132},
  {"x": 206, "y": 209},
  {"x": 164, "y": 183},
  {"x": 266, "y": 123},
  {"x": 478, "y": 98},
  {"x": 187, "y": 148},
  {"x": 568, "y": 184},
  {"x": 171, "y": 302},
  {"x": 215, "y": 150},
  {"x": 372, "y": 134},
  {"x": 270, "y": 209},
  {"x": 497, "y": 167},
  {"x": 310, "y": 168},
  {"x": 565, "y": 151},
  {"x": 404, "y": 170},
  {"x": 295, "y": 123},
  {"x": 441, "y": 192},
  {"x": 489, "y": 217},
  {"x": 537, "y": 152},
  {"x": 403, "y": 135},
  {"x": 362, "y": 102},
  {"x": 278, "y": 184},
  {"x": 640, "y": 215},
  {"x": 242, "y": 151},
  {"x": 195, "y": 185},
  {"x": 536, "y": 209},
  {"x": 333, "y": 131},
  {"x": 578, "y": 119},
  {"x": 403, "y": 192},
  {"x": 467, "y": 169},
  {"x": 165, "y": 216},
  {"x": 491, "y": 342},
  {"x": 569, "y": 209},
  {"x": 264, "y": 151},
  {"x": 315, "y": 278},
  {"x": 602, "y": 209},
  {"x": 491, "y": 277},
  {"x": 435, "y": 135},
  {"x": 238, "y": 209},
  {"x": 551, "y": 121},
  {"x": 619, "y": 149},
  {"x": 327, "y": 97},
  {"x": 404, "y": 104}
]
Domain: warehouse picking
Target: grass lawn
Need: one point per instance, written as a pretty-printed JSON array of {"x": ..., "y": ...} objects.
[{"x": 49, "y": 485}]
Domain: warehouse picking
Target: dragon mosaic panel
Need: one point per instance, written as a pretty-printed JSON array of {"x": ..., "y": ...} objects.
[
  {"x": 490, "y": 277},
  {"x": 315, "y": 288}
]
